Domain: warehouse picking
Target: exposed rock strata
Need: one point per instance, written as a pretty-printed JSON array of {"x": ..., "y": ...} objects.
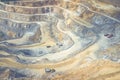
[{"x": 60, "y": 40}]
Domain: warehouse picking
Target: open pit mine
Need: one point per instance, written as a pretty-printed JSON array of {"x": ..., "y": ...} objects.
[{"x": 59, "y": 39}]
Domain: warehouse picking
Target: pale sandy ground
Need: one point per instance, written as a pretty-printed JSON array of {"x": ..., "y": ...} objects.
[{"x": 83, "y": 66}]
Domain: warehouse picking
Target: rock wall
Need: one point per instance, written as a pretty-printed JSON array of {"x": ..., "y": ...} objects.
[{"x": 59, "y": 40}]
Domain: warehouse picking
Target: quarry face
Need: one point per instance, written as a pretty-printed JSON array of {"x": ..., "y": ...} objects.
[{"x": 59, "y": 40}]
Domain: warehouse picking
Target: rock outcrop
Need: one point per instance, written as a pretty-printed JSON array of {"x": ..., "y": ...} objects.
[{"x": 59, "y": 40}]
